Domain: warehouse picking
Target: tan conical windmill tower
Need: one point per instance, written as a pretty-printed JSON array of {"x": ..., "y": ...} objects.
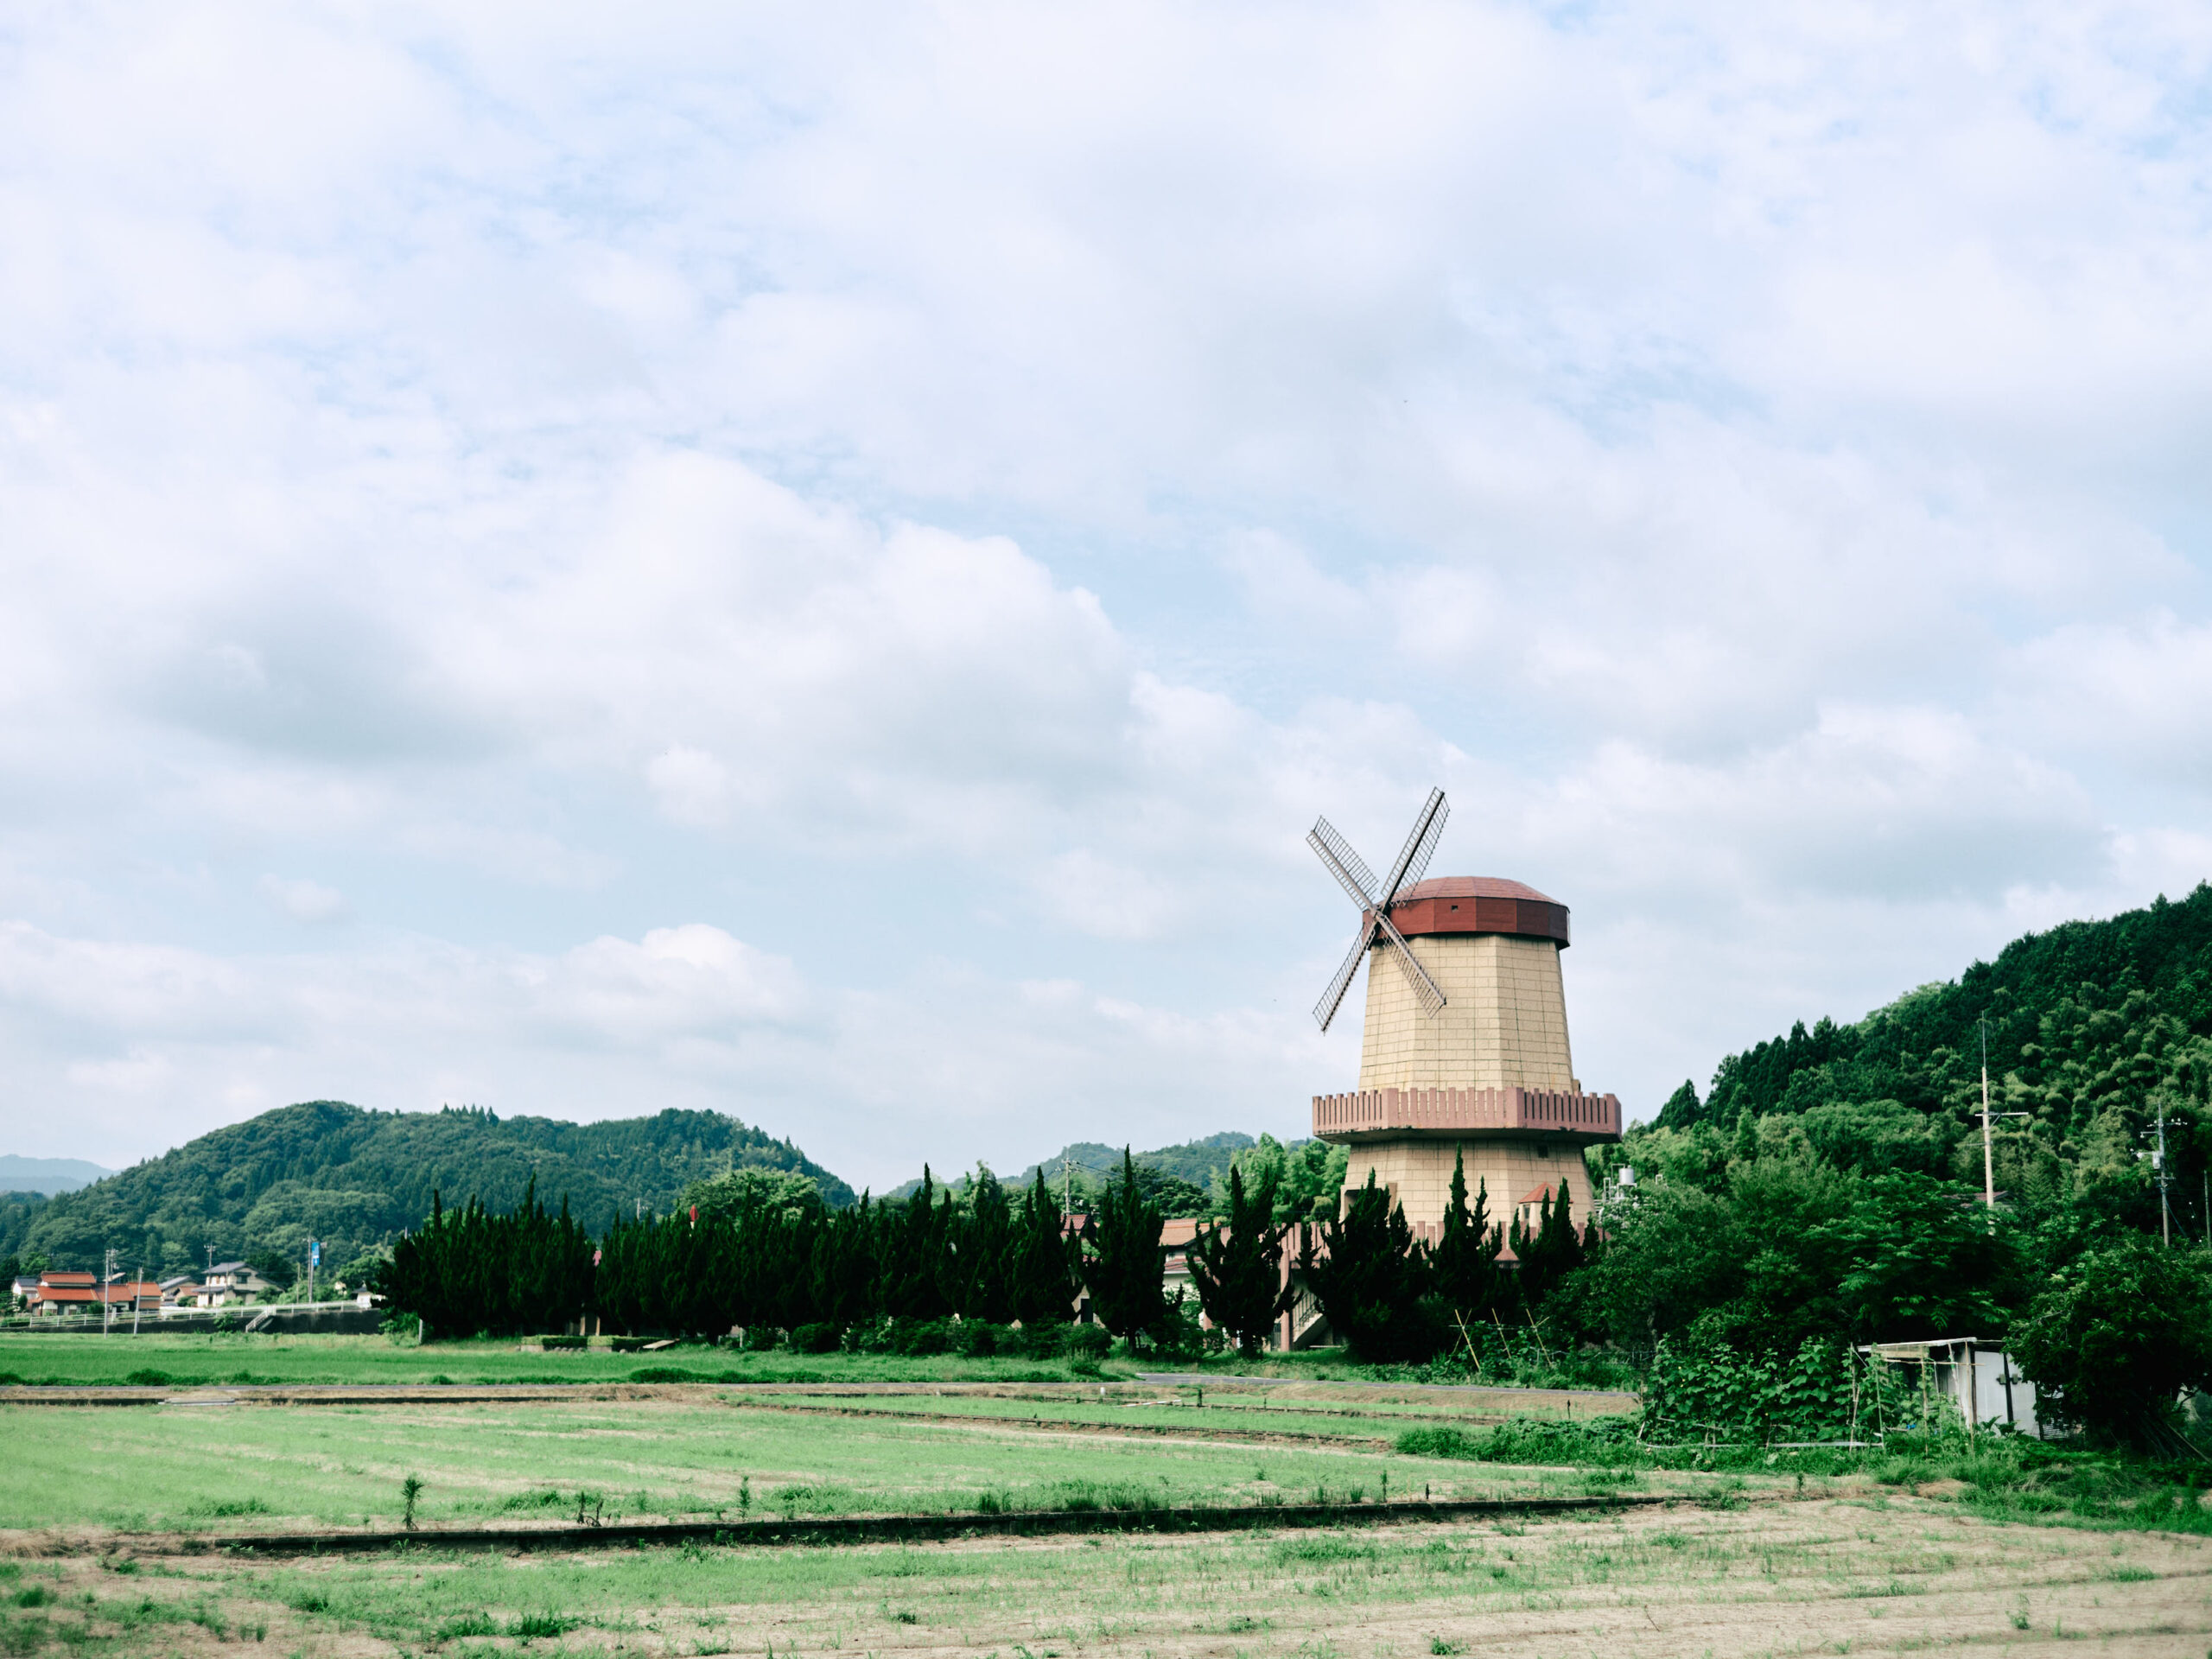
[{"x": 1466, "y": 1049}]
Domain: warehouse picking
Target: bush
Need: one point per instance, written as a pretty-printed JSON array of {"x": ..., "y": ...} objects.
[
  {"x": 980, "y": 1338},
  {"x": 1088, "y": 1342},
  {"x": 2118, "y": 1337},
  {"x": 1608, "y": 1442},
  {"x": 819, "y": 1338}
]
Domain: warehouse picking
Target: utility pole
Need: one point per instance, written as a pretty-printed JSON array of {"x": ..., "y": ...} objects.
[
  {"x": 134, "y": 1283},
  {"x": 1067, "y": 1187},
  {"x": 1988, "y": 1156},
  {"x": 2165, "y": 1216},
  {"x": 107, "y": 1293}
]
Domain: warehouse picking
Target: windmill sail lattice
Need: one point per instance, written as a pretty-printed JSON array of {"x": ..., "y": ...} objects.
[{"x": 1375, "y": 898}]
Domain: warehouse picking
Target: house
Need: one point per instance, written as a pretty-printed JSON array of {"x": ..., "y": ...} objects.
[
  {"x": 182, "y": 1293},
  {"x": 64, "y": 1292},
  {"x": 26, "y": 1289},
  {"x": 231, "y": 1281},
  {"x": 128, "y": 1295}
]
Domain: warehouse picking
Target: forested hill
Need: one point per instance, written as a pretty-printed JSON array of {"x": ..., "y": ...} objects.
[
  {"x": 1179, "y": 1174},
  {"x": 2090, "y": 1026},
  {"x": 351, "y": 1177}
]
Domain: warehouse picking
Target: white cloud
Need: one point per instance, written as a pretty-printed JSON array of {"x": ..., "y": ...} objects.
[
  {"x": 304, "y": 900},
  {"x": 941, "y": 500}
]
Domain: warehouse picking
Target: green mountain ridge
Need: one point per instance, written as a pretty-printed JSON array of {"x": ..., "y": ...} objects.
[
  {"x": 1194, "y": 1162},
  {"x": 2093, "y": 1027},
  {"x": 352, "y": 1179}
]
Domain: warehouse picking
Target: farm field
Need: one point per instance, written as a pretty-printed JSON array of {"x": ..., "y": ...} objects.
[
  {"x": 1847, "y": 1576},
  {"x": 242, "y": 1469},
  {"x": 184, "y": 1360}
]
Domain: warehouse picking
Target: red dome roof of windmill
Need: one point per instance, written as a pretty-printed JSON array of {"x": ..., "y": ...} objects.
[
  {"x": 1471, "y": 887},
  {"x": 1478, "y": 904}
]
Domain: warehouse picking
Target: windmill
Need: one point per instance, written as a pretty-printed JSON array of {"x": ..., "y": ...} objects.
[
  {"x": 1483, "y": 1089},
  {"x": 1374, "y": 900}
]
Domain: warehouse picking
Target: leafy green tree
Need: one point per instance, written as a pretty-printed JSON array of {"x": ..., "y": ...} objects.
[
  {"x": 1123, "y": 1257},
  {"x": 278, "y": 1270},
  {"x": 2117, "y": 1338},
  {"x": 1237, "y": 1266}
]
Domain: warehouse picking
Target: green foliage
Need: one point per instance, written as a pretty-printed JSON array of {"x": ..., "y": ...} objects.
[
  {"x": 471, "y": 1269},
  {"x": 1822, "y": 1391},
  {"x": 2117, "y": 1337},
  {"x": 1240, "y": 1284},
  {"x": 1790, "y": 1247},
  {"x": 1122, "y": 1258},
  {"x": 1045, "y": 1261},
  {"x": 1372, "y": 1283},
  {"x": 1307, "y": 1177},
  {"x": 2091, "y": 1027},
  {"x": 351, "y": 1177},
  {"x": 1465, "y": 1262}
]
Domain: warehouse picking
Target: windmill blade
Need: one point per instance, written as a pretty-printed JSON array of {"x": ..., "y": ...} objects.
[
  {"x": 1427, "y": 850},
  {"x": 1332, "y": 999},
  {"x": 1349, "y": 869},
  {"x": 1420, "y": 841},
  {"x": 1425, "y": 988}
]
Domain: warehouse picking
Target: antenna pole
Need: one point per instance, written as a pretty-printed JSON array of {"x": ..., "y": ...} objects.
[{"x": 1988, "y": 1157}]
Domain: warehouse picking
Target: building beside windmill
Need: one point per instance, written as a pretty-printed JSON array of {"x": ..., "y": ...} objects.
[{"x": 1464, "y": 1051}]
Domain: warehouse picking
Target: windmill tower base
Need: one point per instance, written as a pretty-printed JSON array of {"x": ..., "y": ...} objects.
[{"x": 1513, "y": 1141}]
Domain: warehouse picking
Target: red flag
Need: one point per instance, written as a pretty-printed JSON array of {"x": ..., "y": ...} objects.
[{"x": 695, "y": 1215}]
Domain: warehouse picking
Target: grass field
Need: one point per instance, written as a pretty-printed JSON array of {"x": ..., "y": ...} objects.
[
  {"x": 1785, "y": 1553},
  {"x": 1840, "y": 1577},
  {"x": 314, "y": 1359}
]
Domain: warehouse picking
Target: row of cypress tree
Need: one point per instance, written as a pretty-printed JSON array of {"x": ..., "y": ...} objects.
[
  {"x": 1393, "y": 1297},
  {"x": 778, "y": 1262}
]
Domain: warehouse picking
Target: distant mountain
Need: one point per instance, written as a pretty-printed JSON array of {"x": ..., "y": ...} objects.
[
  {"x": 47, "y": 1175},
  {"x": 1194, "y": 1161},
  {"x": 352, "y": 1179}
]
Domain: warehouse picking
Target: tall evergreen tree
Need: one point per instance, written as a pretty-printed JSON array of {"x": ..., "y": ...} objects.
[
  {"x": 1236, "y": 1267},
  {"x": 1371, "y": 1281},
  {"x": 1046, "y": 1261},
  {"x": 1463, "y": 1263},
  {"x": 1122, "y": 1258}
]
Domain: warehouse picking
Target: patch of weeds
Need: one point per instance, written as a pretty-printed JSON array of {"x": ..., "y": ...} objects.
[
  {"x": 122, "y": 1564},
  {"x": 1322, "y": 1549},
  {"x": 36, "y": 1595},
  {"x": 309, "y": 1601},
  {"x": 902, "y": 1617},
  {"x": 231, "y": 1506},
  {"x": 1444, "y": 1644},
  {"x": 2128, "y": 1574},
  {"x": 528, "y": 1626},
  {"x": 146, "y": 1379},
  {"x": 548, "y": 1499},
  {"x": 1240, "y": 1623},
  {"x": 477, "y": 1624},
  {"x": 23, "y": 1634}
]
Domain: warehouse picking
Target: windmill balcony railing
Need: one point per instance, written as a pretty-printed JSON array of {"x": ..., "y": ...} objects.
[{"x": 1449, "y": 1114}]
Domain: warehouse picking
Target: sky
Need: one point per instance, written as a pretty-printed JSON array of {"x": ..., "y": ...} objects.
[{"x": 819, "y": 562}]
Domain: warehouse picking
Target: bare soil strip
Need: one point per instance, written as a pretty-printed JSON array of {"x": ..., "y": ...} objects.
[
  {"x": 831, "y": 1529},
  {"x": 1076, "y": 1426}
]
